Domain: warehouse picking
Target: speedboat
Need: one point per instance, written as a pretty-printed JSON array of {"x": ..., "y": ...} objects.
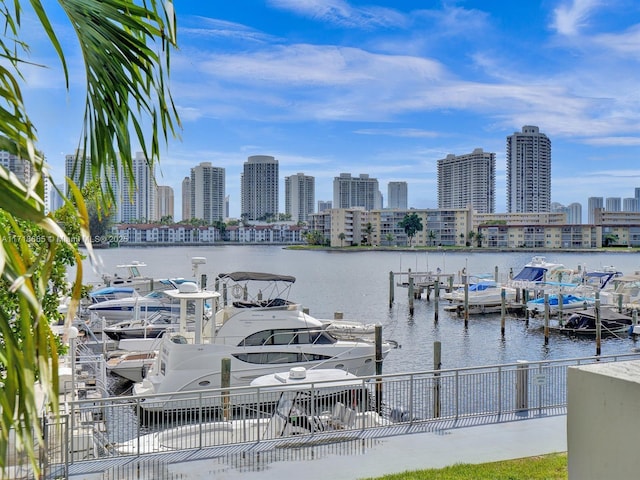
[
  {"x": 133, "y": 278},
  {"x": 570, "y": 301},
  {"x": 151, "y": 326},
  {"x": 483, "y": 295},
  {"x": 259, "y": 334},
  {"x": 308, "y": 402},
  {"x": 584, "y": 322},
  {"x": 131, "y": 366},
  {"x": 540, "y": 270},
  {"x": 125, "y": 308}
]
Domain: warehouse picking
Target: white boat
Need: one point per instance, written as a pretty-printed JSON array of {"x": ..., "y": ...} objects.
[
  {"x": 570, "y": 301},
  {"x": 125, "y": 308},
  {"x": 483, "y": 295},
  {"x": 152, "y": 326},
  {"x": 131, "y": 365},
  {"x": 259, "y": 334},
  {"x": 133, "y": 278},
  {"x": 540, "y": 270},
  {"x": 308, "y": 402}
]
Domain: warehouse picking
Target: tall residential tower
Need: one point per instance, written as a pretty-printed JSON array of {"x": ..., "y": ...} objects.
[
  {"x": 299, "y": 196},
  {"x": 259, "y": 187},
  {"x": 469, "y": 179},
  {"x": 528, "y": 171},
  {"x": 362, "y": 191},
  {"x": 207, "y": 192},
  {"x": 397, "y": 195}
]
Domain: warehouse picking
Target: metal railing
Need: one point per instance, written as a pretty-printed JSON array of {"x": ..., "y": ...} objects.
[{"x": 94, "y": 430}]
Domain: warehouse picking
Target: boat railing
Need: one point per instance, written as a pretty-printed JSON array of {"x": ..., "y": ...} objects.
[{"x": 416, "y": 399}]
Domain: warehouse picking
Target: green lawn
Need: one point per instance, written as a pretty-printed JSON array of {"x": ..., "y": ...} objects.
[{"x": 545, "y": 467}]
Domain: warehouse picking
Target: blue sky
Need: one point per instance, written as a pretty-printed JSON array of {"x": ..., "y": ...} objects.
[{"x": 385, "y": 88}]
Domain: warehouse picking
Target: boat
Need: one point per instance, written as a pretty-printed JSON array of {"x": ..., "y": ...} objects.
[
  {"x": 623, "y": 290},
  {"x": 540, "y": 270},
  {"x": 151, "y": 326},
  {"x": 125, "y": 308},
  {"x": 559, "y": 302},
  {"x": 574, "y": 295},
  {"x": 131, "y": 366},
  {"x": 583, "y": 322},
  {"x": 133, "y": 278},
  {"x": 483, "y": 295},
  {"x": 317, "y": 401},
  {"x": 260, "y": 332},
  {"x": 110, "y": 293}
]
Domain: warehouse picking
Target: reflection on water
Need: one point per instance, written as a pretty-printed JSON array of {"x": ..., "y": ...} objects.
[{"x": 357, "y": 284}]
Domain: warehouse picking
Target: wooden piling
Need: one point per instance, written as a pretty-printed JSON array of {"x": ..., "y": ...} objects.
[
  {"x": 495, "y": 274},
  {"x": 410, "y": 295},
  {"x": 391, "y": 287},
  {"x": 598, "y": 325},
  {"x": 436, "y": 298},
  {"x": 337, "y": 315},
  {"x": 503, "y": 309},
  {"x": 546, "y": 319},
  {"x": 466, "y": 303}
]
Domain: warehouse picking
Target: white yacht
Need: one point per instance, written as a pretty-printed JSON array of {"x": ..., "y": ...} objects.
[{"x": 259, "y": 335}]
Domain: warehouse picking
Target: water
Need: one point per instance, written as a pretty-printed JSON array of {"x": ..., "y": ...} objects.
[{"x": 357, "y": 284}]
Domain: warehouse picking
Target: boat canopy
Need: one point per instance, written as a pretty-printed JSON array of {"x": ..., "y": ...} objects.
[
  {"x": 256, "y": 276},
  {"x": 531, "y": 274}
]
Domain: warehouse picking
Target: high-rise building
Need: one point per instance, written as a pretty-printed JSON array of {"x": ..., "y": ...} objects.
[
  {"x": 299, "y": 196},
  {"x": 592, "y": 204},
  {"x": 73, "y": 168},
  {"x": 574, "y": 213},
  {"x": 528, "y": 171},
  {"x": 259, "y": 187},
  {"x": 19, "y": 167},
  {"x": 361, "y": 191},
  {"x": 208, "y": 192},
  {"x": 165, "y": 202},
  {"x": 55, "y": 197},
  {"x": 630, "y": 204},
  {"x": 397, "y": 195},
  {"x": 186, "y": 198},
  {"x": 468, "y": 179},
  {"x": 324, "y": 205},
  {"x": 613, "y": 204},
  {"x": 138, "y": 202}
]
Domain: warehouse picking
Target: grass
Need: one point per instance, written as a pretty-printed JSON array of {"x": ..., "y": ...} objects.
[{"x": 545, "y": 467}]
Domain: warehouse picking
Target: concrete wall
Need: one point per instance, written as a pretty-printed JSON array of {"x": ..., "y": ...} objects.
[{"x": 603, "y": 421}]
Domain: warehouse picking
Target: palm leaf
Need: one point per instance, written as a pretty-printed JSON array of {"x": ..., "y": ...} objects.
[{"x": 126, "y": 49}]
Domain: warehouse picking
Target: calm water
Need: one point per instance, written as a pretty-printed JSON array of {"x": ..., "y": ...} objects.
[{"x": 357, "y": 284}]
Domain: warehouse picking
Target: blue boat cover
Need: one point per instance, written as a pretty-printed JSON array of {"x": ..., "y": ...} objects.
[{"x": 531, "y": 274}]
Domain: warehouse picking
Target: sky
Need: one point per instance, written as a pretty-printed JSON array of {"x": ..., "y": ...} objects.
[{"x": 382, "y": 87}]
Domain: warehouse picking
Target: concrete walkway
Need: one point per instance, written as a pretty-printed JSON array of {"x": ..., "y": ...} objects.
[{"x": 363, "y": 458}]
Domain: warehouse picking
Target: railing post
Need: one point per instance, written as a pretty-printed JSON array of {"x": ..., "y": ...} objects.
[
  {"x": 437, "y": 364},
  {"x": 378, "y": 340},
  {"x": 522, "y": 386},
  {"x": 391, "y": 287}
]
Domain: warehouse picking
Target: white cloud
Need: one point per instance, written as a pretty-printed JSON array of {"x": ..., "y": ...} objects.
[
  {"x": 341, "y": 13},
  {"x": 572, "y": 16}
]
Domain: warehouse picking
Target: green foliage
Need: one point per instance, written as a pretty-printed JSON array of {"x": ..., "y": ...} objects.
[
  {"x": 315, "y": 237},
  {"x": 411, "y": 224},
  {"x": 546, "y": 467},
  {"x": 125, "y": 50}
]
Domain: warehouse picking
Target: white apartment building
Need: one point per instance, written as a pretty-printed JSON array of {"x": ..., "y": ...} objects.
[
  {"x": 356, "y": 192},
  {"x": 397, "y": 195},
  {"x": 259, "y": 187},
  {"x": 528, "y": 171},
  {"x": 299, "y": 195},
  {"x": 468, "y": 179},
  {"x": 207, "y": 192},
  {"x": 138, "y": 202}
]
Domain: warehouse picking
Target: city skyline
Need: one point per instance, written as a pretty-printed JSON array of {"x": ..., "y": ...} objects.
[{"x": 382, "y": 88}]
